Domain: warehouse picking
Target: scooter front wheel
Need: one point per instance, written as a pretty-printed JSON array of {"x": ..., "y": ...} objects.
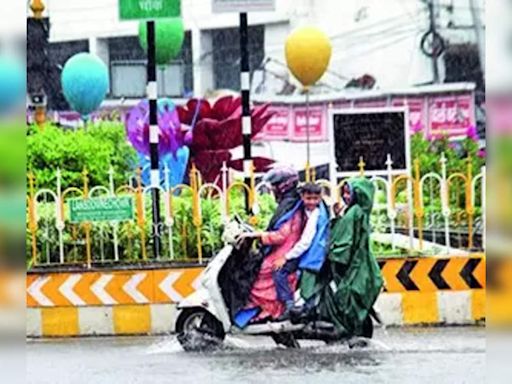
[{"x": 199, "y": 330}]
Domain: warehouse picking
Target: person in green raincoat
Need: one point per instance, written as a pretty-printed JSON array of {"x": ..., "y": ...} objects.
[{"x": 350, "y": 282}]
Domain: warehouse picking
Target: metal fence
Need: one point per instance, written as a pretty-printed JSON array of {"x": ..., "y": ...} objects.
[{"x": 417, "y": 214}]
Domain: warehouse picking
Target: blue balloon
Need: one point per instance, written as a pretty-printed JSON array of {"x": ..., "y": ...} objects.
[
  {"x": 12, "y": 83},
  {"x": 85, "y": 83}
]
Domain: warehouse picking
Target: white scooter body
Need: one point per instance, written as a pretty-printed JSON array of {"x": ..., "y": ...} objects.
[{"x": 208, "y": 296}]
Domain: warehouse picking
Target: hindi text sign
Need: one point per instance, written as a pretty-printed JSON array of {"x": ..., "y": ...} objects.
[
  {"x": 148, "y": 9},
  {"x": 317, "y": 130}
]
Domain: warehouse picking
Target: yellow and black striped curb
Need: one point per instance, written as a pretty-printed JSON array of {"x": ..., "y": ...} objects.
[
  {"x": 499, "y": 274},
  {"x": 141, "y": 319},
  {"x": 395, "y": 309}
]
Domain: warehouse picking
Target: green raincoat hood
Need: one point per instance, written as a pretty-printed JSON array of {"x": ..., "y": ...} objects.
[{"x": 363, "y": 191}]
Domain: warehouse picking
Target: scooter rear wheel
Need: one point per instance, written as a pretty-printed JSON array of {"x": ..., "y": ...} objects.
[
  {"x": 368, "y": 327},
  {"x": 286, "y": 339}
]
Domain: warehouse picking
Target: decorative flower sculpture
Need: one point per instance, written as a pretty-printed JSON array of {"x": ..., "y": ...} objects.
[
  {"x": 173, "y": 152},
  {"x": 171, "y": 137},
  {"x": 211, "y": 131}
]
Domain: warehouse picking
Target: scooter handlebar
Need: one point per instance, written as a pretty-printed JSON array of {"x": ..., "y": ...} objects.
[{"x": 234, "y": 229}]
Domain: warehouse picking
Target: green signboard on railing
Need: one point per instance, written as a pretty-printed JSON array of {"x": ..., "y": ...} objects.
[
  {"x": 101, "y": 209},
  {"x": 149, "y": 9}
]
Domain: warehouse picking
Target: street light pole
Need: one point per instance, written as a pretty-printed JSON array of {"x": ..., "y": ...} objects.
[
  {"x": 38, "y": 98},
  {"x": 152, "y": 93},
  {"x": 480, "y": 38},
  {"x": 245, "y": 81}
]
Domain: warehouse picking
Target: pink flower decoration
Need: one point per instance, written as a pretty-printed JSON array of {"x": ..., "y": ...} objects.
[
  {"x": 217, "y": 129},
  {"x": 416, "y": 128},
  {"x": 472, "y": 133}
]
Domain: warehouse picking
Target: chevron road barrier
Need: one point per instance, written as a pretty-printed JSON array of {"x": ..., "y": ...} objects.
[{"x": 429, "y": 290}]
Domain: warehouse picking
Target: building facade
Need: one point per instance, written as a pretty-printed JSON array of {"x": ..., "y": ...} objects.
[{"x": 379, "y": 38}]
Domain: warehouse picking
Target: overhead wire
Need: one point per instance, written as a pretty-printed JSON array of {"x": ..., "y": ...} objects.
[
  {"x": 404, "y": 17},
  {"x": 400, "y": 38}
]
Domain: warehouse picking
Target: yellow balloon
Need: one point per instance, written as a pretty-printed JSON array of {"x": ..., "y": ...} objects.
[{"x": 308, "y": 53}]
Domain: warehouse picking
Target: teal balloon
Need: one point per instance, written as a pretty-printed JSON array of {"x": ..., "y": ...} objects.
[
  {"x": 12, "y": 83},
  {"x": 85, "y": 83},
  {"x": 169, "y": 37},
  {"x": 165, "y": 104}
]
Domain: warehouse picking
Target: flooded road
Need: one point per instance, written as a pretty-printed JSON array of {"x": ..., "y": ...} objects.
[{"x": 415, "y": 355}]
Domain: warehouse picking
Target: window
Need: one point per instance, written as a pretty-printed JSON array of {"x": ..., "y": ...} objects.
[
  {"x": 226, "y": 55},
  {"x": 128, "y": 70},
  {"x": 129, "y": 78},
  {"x": 462, "y": 64}
]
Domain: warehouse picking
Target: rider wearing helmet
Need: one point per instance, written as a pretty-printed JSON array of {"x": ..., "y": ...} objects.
[
  {"x": 284, "y": 181},
  {"x": 240, "y": 273}
]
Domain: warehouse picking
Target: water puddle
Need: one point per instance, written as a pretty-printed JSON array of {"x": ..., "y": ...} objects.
[{"x": 235, "y": 344}]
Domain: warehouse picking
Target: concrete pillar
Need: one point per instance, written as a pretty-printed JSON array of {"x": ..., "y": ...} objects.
[
  {"x": 99, "y": 47},
  {"x": 203, "y": 61}
]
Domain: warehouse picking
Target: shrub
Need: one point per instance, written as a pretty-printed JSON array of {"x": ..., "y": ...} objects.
[{"x": 96, "y": 147}]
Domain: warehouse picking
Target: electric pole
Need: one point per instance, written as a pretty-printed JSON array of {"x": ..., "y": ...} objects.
[
  {"x": 152, "y": 93},
  {"x": 38, "y": 32},
  {"x": 432, "y": 30}
]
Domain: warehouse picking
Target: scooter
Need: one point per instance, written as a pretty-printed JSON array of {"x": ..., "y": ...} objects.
[{"x": 204, "y": 318}]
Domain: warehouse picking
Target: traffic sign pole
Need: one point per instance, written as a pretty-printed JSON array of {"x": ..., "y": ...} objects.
[
  {"x": 245, "y": 81},
  {"x": 151, "y": 10},
  {"x": 152, "y": 94}
]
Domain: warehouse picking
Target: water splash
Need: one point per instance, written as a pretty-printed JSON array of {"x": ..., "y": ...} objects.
[
  {"x": 377, "y": 345},
  {"x": 167, "y": 345},
  {"x": 232, "y": 342},
  {"x": 356, "y": 344}
]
